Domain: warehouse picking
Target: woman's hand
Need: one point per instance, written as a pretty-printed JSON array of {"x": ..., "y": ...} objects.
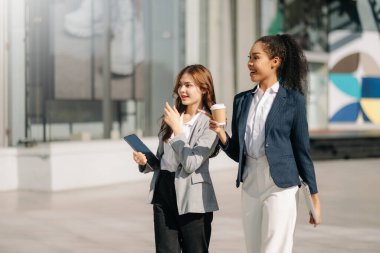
[
  {"x": 139, "y": 158},
  {"x": 218, "y": 129},
  {"x": 172, "y": 118},
  {"x": 317, "y": 207}
]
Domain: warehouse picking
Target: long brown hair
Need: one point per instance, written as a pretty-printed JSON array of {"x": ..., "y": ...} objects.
[{"x": 203, "y": 79}]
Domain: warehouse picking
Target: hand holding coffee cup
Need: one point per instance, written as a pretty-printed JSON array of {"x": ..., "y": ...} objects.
[{"x": 218, "y": 112}]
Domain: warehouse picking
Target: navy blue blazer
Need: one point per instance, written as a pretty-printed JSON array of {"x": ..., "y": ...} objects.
[{"x": 286, "y": 138}]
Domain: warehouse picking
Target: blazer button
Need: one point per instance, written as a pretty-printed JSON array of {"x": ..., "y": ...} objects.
[{"x": 266, "y": 145}]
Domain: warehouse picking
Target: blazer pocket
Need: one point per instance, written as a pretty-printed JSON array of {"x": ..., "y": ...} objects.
[
  {"x": 287, "y": 156},
  {"x": 197, "y": 178}
]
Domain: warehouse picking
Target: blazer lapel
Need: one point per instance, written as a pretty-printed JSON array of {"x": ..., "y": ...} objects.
[
  {"x": 278, "y": 103},
  {"x": 196, "y": 128}
]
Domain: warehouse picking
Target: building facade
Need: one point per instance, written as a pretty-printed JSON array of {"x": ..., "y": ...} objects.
[
  {"x": 95, "y": 69},
  {"x": 98, "y": 69}
]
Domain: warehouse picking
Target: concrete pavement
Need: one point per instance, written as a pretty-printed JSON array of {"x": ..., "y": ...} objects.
[{"x": 118, "y": 219}]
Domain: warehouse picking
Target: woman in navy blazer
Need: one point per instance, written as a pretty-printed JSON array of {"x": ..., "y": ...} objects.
[{"x": 270, "y": 142}]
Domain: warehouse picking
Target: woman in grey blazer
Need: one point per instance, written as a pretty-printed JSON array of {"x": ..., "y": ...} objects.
[{"x": 181, "y": 190}]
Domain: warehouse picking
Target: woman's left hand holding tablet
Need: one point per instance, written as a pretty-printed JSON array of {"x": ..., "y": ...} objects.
[
  {"x": 317, "y": 206},
  {"x": 172, "y": 118},
  {"x": 139, "y": 158}
]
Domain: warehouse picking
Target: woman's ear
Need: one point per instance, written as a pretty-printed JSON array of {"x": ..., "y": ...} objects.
[{"x": 276, "y": 61}]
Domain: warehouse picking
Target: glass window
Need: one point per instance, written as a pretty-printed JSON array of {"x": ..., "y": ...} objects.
[
  {"x": 354, "y": 16},
  {"x": 67, "y": 50},
  {"x": 73, "y": 62},
  {"x": 307, "y": 21}
]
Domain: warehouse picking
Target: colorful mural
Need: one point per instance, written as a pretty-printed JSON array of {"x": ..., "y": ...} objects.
[{"x": 354, "y": 79}]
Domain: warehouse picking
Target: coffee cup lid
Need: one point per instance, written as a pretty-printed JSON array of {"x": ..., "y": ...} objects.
[{"x": 217, "y": 106}]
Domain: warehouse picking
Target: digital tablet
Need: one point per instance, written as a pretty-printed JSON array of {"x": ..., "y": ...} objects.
[
  {"x": 309, "y": 202},
  {"x": 138, "y": 146}
]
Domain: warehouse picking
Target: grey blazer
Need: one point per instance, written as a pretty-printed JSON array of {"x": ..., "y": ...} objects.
[{"x": 194, "y": 190}]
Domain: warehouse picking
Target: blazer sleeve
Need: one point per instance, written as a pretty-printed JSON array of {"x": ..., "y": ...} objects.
[
  {"x": 301, "y": 146},
  {"x": 232, "y": 145},
  {"x": 192, "y": 158},
  {"x": 145, "y": 168}
]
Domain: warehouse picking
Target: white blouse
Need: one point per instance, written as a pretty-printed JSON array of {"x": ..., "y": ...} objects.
[{"x": 258, "y": 113}]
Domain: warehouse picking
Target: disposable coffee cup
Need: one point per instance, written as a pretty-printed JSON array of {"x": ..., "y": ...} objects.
[{"x": 218, "y": 112}]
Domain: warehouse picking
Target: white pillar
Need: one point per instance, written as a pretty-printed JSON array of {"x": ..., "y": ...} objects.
[
  {"x": 317, "y": 100},
  {"x": 3, "y": 72},
  {"x": 246, "y": 35},
  {"x": 16, "y": 78},
  {"x": 220, "y": 52},
  {"x": 192, "y": 44}
]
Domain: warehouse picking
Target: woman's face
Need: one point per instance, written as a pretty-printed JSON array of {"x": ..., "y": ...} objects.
[
  {"x": 188, "y": 91},
  {"x": 260, "y": 66}
]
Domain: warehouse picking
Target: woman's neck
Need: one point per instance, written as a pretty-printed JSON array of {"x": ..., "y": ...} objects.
[
  {"x": 192, "y": 109},
  {"x": 266, "y": 84}
]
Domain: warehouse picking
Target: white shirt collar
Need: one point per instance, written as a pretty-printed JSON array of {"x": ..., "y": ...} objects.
[
  {"x": 273, "y": 89},
  {"x": 190, "y": 122}
]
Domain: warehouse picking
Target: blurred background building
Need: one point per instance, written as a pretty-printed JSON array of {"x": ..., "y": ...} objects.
[{"x": 91, "y": 70}]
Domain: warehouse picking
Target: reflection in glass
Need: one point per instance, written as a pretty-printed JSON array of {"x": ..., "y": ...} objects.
[
  {"x": 307, "y": 21},
  {"x": 65, "y": 81}
]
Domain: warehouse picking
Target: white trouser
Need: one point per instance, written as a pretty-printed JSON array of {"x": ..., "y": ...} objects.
[{"x": 269, "y": 212}]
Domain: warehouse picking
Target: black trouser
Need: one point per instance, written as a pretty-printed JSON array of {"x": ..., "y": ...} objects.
[{"x": 190, "y": 232}]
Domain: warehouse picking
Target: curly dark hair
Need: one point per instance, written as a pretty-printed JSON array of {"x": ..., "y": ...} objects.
[{"x": 293, "y": 69}]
